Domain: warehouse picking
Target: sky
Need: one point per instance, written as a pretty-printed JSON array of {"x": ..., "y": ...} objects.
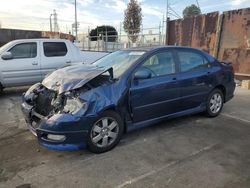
[{"x": 34, "y": 14}]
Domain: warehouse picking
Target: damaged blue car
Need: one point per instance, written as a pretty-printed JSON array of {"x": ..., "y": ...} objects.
[{"x": 91, "y": 106}]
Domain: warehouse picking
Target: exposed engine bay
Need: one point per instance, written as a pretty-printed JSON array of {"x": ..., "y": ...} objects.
[{"x": 47, "y": 102}]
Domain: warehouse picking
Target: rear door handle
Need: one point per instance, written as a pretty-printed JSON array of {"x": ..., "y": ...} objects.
[
  {"x": 174, "y": 79},
  {"x": 68, "y": 61}
]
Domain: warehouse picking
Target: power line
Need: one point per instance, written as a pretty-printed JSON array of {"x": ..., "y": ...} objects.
[
  {"x": 170, "y": 13},
  {"x": 177, "y": 15}
]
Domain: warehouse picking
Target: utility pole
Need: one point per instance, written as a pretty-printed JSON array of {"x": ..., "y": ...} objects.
[
  {"x": 160, "y": 33},
  {"x": 163, "y": 21},
  {"x": 50, "y": 22},
  {"x": 197, "y": 2},
  {"x": 166, "y": 42},
  {"x": 120, "y": 32},
  {"x": 76, "y": 26},
  {"x": 56, "y": 27}
]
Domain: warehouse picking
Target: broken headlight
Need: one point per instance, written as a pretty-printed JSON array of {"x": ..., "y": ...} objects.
[
  {"x": 31, "y": 93},
  {"x": 73, "y": 105}
]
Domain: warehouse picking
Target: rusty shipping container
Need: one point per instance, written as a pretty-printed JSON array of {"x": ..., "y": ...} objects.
[
  {"x": 225, "y": 36},
  {"x": 235, "y": 40},
  {"x": 197, "y": 31}
]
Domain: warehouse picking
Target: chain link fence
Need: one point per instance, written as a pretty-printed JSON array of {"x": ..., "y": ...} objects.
[{"x": 102, "y": 42}]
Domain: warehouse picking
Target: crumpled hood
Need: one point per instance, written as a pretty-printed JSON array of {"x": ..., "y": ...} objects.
[{"x": 72, "y": 77}]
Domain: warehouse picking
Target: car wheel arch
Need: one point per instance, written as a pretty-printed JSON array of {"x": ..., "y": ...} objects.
[
  {"x": 118, "y": 111},
  {"x": 223, "y": 90}
]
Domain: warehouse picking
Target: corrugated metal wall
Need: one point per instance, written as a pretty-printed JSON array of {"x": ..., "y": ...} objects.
[
  {"x": 235, "y": 39},
  {"x": 7, "y": 35},
  {"x": 225, "y": 36},
  {"x": 198, "y": 31}
]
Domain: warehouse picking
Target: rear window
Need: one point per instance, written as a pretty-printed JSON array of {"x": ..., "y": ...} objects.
[
  {"x": 191, "y": 60},
  {"x": 54, "y": 49}
]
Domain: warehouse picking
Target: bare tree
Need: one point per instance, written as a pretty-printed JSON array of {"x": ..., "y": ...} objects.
[{"x": 132, "y": 20}]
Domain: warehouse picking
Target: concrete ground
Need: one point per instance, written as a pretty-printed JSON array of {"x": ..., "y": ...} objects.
[{"x": 193, "y": 151}]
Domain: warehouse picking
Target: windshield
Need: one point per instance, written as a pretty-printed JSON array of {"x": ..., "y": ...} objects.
[{"x": 120, "y": 61}]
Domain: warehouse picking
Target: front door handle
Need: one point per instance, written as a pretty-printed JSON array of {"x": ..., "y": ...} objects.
[
  {"x": 68, "y": 62},
  {"x": 200, "y": 84},
  {"x": 34, "y": 63}
]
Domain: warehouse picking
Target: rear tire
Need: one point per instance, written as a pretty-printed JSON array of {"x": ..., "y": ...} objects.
[
  {"x": 105, "y": 133},
  {"x": 214, "y": 103}
]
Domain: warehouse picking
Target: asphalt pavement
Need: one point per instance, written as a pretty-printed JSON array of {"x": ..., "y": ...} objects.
[{"x": 192, "y": 151}]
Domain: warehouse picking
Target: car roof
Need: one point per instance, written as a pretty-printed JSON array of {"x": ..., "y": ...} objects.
[
  {"x": 40, "y": 39},
  {"x": 150, "y": 48},
  {"x": 156, "y": 48}
]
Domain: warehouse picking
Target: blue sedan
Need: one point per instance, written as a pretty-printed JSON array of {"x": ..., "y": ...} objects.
[{"x": 91, "y": 106}]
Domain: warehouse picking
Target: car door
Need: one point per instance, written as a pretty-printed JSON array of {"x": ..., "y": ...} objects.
[
  {"x": 24, "y": 66},
  {"x": 194, "y": 78},
  {"x": 158, "y": 95},
  {"x": 55, "y": 55}
]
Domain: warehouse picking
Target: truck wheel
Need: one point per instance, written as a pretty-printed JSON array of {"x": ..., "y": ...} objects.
[
  {"x": 1, "y": 88},
  {"x": 105, "y": 133},
  {"x": 214, "y": 103}
]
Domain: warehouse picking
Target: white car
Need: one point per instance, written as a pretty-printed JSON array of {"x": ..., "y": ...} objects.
[{"x": 27, "y": 61}]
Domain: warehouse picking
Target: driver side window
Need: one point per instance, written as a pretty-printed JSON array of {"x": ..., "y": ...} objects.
[
  {"x": 24, "y": 50},
  {"x": 160, "y": 64}
]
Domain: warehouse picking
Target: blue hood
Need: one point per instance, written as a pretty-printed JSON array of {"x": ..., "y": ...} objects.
[{"x": 72, "y": 77}]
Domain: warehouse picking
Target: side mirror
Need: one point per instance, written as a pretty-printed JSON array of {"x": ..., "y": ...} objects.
[
  {"x": 7, "y": 56},
  {"x": 142, "y": 74}
]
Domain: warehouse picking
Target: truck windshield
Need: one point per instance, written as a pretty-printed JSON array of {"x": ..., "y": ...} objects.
[
  {"x": 120, "y": 61},
  {"x": 4, "y": 47}
]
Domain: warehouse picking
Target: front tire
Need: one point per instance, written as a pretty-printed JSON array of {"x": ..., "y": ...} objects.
[
  {"x": 214, "y": 103},
  {"x": 105, "y": 133},
  {"x": 1, "y": 88}
]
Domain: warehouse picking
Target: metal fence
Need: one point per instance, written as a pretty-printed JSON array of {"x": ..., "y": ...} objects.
[{"x": 152, "y": 36}]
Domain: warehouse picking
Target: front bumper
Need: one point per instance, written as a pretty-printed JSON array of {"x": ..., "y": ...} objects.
[
  {"x": 74, "y": 129},
  {"x": 73, "y": 140}
]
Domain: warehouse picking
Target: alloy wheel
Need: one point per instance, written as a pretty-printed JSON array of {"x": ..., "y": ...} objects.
[
  {"x": 104, "y": 132},
  {"x": 215, "y": 103}
]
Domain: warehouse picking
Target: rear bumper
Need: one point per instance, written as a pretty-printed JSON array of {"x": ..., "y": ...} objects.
[
  {"x": 73, "y": 129},
  {"x": 230, "y": 91}
]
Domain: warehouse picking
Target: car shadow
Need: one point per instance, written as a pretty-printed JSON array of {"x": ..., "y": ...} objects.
[
  {"x": 14, "y": 91},
  {"x": 163, "y": 126}
]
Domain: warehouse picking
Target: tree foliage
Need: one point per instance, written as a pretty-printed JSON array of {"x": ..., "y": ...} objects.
[
  {"x": 132, "y": 20},
  {"x": 191, "y": 10},
  {"x": 102, "y": 31}
]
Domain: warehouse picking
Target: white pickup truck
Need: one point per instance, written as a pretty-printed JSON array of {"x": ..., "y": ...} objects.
[{"x": 27, "y": 61}]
